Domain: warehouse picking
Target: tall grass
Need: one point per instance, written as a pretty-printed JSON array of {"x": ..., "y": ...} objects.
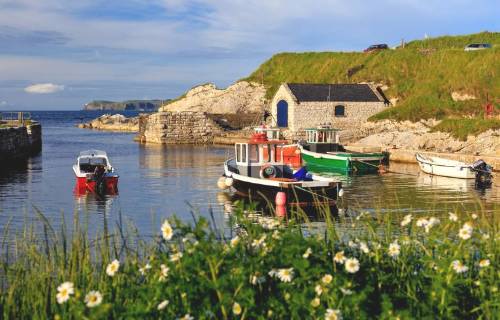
[{"x": 279, "y": 269}]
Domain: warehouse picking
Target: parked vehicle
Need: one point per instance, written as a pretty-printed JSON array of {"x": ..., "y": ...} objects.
[
  {"x": 376, "y": 47},
  {"x": 94, "y": 173},
  {"x": 477, "y": 46}
]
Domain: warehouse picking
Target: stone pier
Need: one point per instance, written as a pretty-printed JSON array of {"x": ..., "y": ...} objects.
[{"x": 19, "y": 142}]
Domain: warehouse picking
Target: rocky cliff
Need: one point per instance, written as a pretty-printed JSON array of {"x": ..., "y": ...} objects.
[
  {"x": 241, "y": 97},
  {"x": 129, "y": 105}
]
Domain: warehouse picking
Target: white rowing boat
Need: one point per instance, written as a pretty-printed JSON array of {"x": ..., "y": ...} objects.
[{"x": 445, "y": 167}]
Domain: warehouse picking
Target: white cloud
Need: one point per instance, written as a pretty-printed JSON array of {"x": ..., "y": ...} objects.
[
  {"x": 43, "y": 88},
  {"x": 3, "y": 103}
]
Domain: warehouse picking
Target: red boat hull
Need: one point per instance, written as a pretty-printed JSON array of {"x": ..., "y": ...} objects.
[{"x": 83, "y": 185}]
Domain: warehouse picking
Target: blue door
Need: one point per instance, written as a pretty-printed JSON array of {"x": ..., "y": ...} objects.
[{"x": 282, "y": 114}]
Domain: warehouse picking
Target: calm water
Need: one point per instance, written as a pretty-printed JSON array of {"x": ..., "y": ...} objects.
[{"x": 157, "y": 181}]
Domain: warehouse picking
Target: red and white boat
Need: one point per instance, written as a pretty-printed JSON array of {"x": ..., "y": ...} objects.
[{"x": 94, "y": 173}]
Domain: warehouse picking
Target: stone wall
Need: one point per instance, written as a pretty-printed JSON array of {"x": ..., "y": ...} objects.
[
  {"x": 303, "y": 115},
  {"x": 178, "y": 128},
  {"x": 18, "y": 143}
]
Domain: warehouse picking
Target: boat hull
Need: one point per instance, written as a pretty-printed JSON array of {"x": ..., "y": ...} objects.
[
  {"x": 84, "y": 185},
  {"x": 343, "y": 162},
  {"x": 445, "y": 168}
]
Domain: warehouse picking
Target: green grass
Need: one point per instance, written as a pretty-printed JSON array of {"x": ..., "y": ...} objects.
[
  {"x": 460, "y": 128},
  {"x": 222, "y": 279},
  {"x": 422, "y": 80}
]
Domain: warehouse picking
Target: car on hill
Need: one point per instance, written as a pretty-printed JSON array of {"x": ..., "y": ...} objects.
[
  {"x": 477, "y": 46},
  {"x": 376, "y": 47}
]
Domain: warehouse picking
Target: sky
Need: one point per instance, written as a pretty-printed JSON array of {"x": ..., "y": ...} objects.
[{"x": 61, "y": 54}]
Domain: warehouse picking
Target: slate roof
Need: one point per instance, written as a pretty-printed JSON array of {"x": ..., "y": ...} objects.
[{"x": 305, "y": 92}]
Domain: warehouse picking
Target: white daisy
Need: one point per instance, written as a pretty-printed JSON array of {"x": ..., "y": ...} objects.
[
  {"x": 422, "y": 222},
  {"x": 163, "y": 305},
  {"x": 175, "y": 256},
  {"x": 406, "y": 220},
  {"x": 474, "y": 216},
  {"x": 333, "y": 314},
  {"x": 257, "y": 243},
  {"x": 364, "y": 247},
  {"x": 273, "y": 273},
  {"x": 64, "y": 291},
  {"x": 347, "y": 292},
  {"x": 307, "y": 253},
  {"x": 93, "y": 299},
  {"x": 163, "y": 272},
  {"x": 466, "y": 231},
  {"x": 352, "y": 265},
  {"x": 187, "y": 317},
  {"x": 166, "y": 230},
  {"x": 315, "y": 302},
  {"x": 459, "y": 267},
  {"x": 484, "y": 263},
  {"x": 327, "y": 278},
  {"x": 318, "y": 289},
  {"x": 453, "y": 217},
  {"x": 339, "y": 257},
  {"x": 285, "y": 274},
  {"x": 394, "y": 249},
  {"x": 112, "y": 268},
  {"x": 276, "y": 235},
  {"x": 431, "y": 223},
  {"x": 145, "y": 269}
]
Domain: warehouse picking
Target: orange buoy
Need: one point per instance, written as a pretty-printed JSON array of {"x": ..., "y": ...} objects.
[
  {"x": 280, "y": 199},
  {"x": 280, "y": 211}
]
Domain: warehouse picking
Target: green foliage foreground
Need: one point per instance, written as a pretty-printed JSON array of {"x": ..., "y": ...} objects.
[{"x": 379, "y": 266}]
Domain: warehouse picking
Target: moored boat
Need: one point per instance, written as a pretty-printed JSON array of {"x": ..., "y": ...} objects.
[
  {"x": 479, "y": 170},
  {"x": 321, "y": 151},
  {"x": 258, "y": 171},
  {"x": 94, "y": 173}
]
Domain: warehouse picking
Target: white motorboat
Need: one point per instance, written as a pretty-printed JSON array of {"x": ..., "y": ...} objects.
[{"x": 445, "y": 167}]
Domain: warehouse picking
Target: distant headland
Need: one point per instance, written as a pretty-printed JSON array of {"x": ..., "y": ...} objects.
[{"x": 129, "y": 105}]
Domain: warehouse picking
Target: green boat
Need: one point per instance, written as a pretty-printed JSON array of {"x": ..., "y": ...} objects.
[{"x": 321, "y": 151}]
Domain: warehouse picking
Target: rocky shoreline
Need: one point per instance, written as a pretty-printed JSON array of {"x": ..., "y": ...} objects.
[{"x": 115, "y": 122}]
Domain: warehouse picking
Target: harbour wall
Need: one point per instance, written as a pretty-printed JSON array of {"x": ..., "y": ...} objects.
[
  {"x": 178, "y": 128},
  {"x": 19, "y": 143}
]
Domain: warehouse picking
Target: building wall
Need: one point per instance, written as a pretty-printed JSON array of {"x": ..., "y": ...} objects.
[{"x": 311, "y": 114}]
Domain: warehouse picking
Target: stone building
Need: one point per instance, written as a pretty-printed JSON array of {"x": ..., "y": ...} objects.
[{"x": 296, "y": 106}]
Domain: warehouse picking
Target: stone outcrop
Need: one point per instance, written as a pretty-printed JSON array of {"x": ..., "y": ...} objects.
[
  {"x": 417, "y": 136},
  {"x": 178, "y": 128},
  {"x": 129, "y": 105},
  {"x": 19, "y": 143},
  {"x": 115, "y": 122},
  {"x": 241, "y": 97},
  {"x": 461, "y": 96}
]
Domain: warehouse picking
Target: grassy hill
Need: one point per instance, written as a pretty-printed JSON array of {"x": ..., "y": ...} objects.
[{"x": 422, "y": 76}]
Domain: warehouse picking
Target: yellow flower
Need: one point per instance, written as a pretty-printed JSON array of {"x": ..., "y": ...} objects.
[
  {"x": 394, "y": 249},
  {"x": 339, "y": 257},
  {"x": 187, "y": 317},
  {"x": 307, "y": 253},
  {"x": 93, "y": 299},
  {"x": 236, "y": 308},
  {"x": 474, "y": 216},
  {"x": 166, "y": 230},
  {"x": 286, "y": 274},
  {"x": 352, "y": 265},
  {"x": 112, "y": 268},
  {"x": 64, "y": 291},
  {"x": 176, "y": 256},
  {"x": 235, "y": 241},
  {"x": 318, "y": 289},
  {"x": 144, "y": 269},
  {"x": 484, "y": 263},
  {"x": 333, "y": 314},
  {"x": 315, "y": 302},
  {"x": 327, "y": 278},
  {"x": 162, "y": 305}
]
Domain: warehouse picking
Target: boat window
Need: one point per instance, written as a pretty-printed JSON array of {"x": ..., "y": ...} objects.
[
  {"x": 254, "y": 153},
  {"x": 243, "y": 153},
  {"x": 238, "y": 152}
]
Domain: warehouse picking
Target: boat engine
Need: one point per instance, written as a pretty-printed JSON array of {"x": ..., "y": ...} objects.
[{"x": 483, "y": 174}]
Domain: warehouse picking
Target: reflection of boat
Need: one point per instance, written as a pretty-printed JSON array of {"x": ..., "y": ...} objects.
[
  {"x": 322, "y": 151},
  {"x": 94, "y": 173},
  {"x": 443, "y": 182},
  {"x": 259, "y": 171}
]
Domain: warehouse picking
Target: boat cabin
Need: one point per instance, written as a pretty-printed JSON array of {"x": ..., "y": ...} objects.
[
  {"x": 89, "y": 160},
  {"x": 322, "y": 139},
  {"x": 262, "y": 158},
  {"x": 272, "y": 133}
]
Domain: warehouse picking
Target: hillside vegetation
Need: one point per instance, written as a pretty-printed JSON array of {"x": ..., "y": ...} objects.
[{"x": 421, "y": 76}]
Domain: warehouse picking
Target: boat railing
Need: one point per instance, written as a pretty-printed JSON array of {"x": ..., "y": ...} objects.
[{"x": 15, "y": 119}]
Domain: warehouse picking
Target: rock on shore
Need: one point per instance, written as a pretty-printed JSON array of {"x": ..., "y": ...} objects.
[
  {"x": 115, "y": 122},
  {"x": 417, "y": 136},
  {"x": 241, "y": 97}
]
